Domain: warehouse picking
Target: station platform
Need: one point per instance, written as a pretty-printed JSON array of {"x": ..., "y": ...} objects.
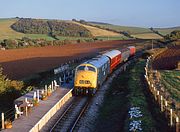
[{"x": 26, "y": 123}]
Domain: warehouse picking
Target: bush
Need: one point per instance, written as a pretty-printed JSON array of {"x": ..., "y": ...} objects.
[
  {"x": 50, "y": 27},
  {"x": 7, "y": 85}
]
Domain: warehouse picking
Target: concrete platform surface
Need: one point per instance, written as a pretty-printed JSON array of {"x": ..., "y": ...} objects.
[{"x": 25, "y": 123}]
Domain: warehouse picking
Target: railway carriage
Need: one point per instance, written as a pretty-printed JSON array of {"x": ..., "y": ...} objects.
[
  {"x": 115, "y": 58},
  {"x": 125, "y": 53},
  {"x": 90, "y": 75},
  {"x": 132, "y": 50}
]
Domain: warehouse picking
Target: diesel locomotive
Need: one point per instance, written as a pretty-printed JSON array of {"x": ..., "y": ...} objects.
[{"x": 90, "y": 75}]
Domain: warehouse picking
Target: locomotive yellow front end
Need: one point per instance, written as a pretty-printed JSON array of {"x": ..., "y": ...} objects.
[{"x": 85, "y": 81}]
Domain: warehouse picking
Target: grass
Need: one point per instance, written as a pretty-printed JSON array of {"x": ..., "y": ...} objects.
[
  {"x": 131, "y": 30},
  {"x": 112, "y": 38},
  {"x": 171, "y": 81},
  {"x": 138, "y": 32},
  {"x": 5, "y": 30},
  {"x": 72, "y": 38},
  {"x": 137, "y": 97},
  {"x": 99, "y": 32},
  {"x": 147, "y": 36},
  {"x": 126, "y": 91},
  {"x": 166, "y": 31},
  {"x": 39, "y": 36}
]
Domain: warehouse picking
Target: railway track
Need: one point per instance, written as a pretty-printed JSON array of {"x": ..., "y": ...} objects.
[{"x": 70, "y": 117}]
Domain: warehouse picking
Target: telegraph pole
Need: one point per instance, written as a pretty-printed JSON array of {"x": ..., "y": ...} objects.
[{"x": 152, "y": 44}]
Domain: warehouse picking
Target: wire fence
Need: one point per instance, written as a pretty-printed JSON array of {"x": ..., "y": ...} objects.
[{"x": 167, "y": 105}]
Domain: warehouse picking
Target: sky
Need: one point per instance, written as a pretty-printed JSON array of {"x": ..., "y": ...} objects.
[{"x": 141, "y": 13}]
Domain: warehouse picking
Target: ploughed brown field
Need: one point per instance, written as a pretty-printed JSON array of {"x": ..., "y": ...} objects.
[
  {"x": 20, "y": 63},
  {"x": 168, "y": 59}
]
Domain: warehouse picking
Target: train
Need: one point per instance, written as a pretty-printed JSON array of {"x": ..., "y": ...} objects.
[{"x": 90, "y": 75}]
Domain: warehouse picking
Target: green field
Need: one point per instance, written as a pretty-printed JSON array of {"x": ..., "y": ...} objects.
[
  {"x": 165, "y": 31},
  {"x": 147, "y": 36},
  {"x": 131, "y": 30},
  {"x": 38, "y": 36},
  {"x": 72, "y": 38},
  {"x": 144, "y": 33},
  {"x": 6, "y": 32},
  {"x": 112, "y": 38},
  {"x": 137, "y": 32},
  {"x": 171, "y": 81}
]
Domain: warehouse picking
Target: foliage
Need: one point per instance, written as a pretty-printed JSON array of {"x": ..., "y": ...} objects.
[
  {"x": 174, "y": 35},
  {"x": 8, "y": 122},
  {"x": 7, "y": 85},
  {"x": 28, "y": 42},
  {"x": 50, "y": 27},
  {"x": 28, "y": 89},
  {"x": 35, "y": 102}
]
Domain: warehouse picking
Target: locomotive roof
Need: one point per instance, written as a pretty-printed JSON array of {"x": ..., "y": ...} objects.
[
  {"x": 98, "y": 61},
  {"x": 124, "y": 50},
  {"x": 112, "y": 53}
]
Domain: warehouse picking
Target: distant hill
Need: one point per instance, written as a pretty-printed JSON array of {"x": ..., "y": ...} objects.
[
  {"x": 99, "y": 32},
  {"x": 50, "y": 27},
  {"x": 165, "y": 31},
  {"x": 99, "y": 23},
  {"x": 137, "y": 32}
]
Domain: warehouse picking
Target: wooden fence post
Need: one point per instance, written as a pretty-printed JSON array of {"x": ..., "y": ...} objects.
[
  {"x": 38, "y": 95},
  {"x": 158, "y": 96},
  {"x": 171, "y": 118},
  {"x": 34, "y": 96},
  {"x": 16, "y": 116},
  {"x": 155, "y": 93},
  {"x": 177, "y": 124},
  {"x": 162, "y": 104},
  {"x": 166, "y": 105},
  {"x": 2, "y": 118},
  {"x": 52, "y": 85}
]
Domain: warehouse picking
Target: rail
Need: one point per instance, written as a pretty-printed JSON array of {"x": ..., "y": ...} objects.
[
  {"x": 80, "y": 115},
  {"x": 51, "y": 112},
  {"x": 70, "y": 117}
]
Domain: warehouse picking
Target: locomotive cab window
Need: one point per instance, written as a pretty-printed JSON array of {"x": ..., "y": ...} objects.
[
  {"x": 81, "y": 68},
  {"x": 91, "y": 68},
  {"x": 86, "y": 68}
]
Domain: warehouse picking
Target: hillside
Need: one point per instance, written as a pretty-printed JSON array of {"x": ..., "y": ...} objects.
[
  {"x": 168, "y": 59},
  {"x": 165, "y": 31},
  {"x": 62, "y": 30},
  {"x": 50, "y": 27},
  {"x": 99, "y": 32},
  {"x": 138, "y": 32},
  {"x": 6, "y": 31}
]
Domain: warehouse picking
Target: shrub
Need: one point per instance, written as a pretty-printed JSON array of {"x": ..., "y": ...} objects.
[{"x": 7, "y": 85}]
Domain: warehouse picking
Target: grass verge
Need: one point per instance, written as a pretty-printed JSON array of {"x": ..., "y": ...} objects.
[
  {"x": 171, "y": 81},
  {"x": 127, "y": 91}
]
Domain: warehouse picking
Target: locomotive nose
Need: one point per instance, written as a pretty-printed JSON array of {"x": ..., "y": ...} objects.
[{"x": 85, "y": 79}]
